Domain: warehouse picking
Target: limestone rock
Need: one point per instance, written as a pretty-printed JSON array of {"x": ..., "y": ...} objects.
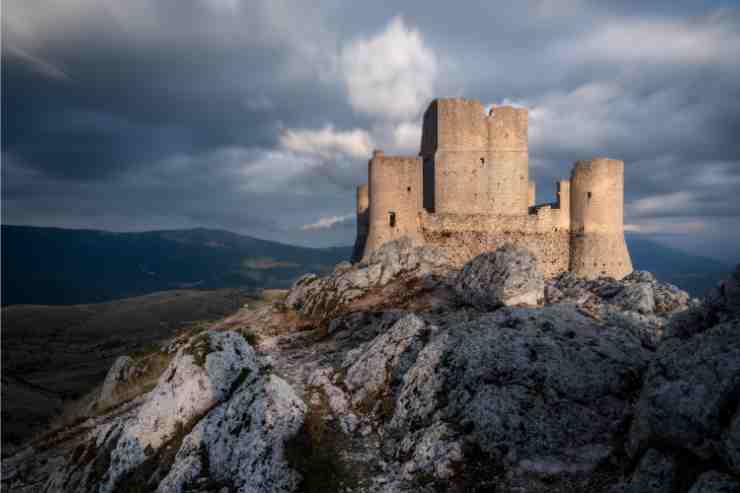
[
  {"x": 241, "y": 444},
  {"x": 386, "y": 359},
  {"x": 715, "y": 482},
  {"x": 508, "y": 276},
  {"x": 118, "y": 374},
  {"x": 654, "y": 474},
  {"x": 690, "y": 390},
  {"x": 213, "y": 420},
  {"x": 636, "y": 297},
  {"x": 324, "y": 297},
  {"x": 539, "y": 392}
]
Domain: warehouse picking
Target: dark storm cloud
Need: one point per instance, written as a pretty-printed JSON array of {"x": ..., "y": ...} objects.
[{"x": 254, "y": 116}]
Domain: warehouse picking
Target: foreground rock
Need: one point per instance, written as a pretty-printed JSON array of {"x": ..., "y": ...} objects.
[
  {"x": 212, "y": 418},
  {"x": 508, "y": 276},
  {"x": 610, "y": 386},
  {"x": 524, "y": 399},
  {"x": 690, "y": 400},
  {"x": 638, "y": 303}
]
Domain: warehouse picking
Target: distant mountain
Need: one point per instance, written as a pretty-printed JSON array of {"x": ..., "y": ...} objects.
[
  {"x": 692, "y": 273},
  {"x": 68, "y": 266}
]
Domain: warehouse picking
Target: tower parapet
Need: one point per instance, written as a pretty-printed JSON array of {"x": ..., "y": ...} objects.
[{"x": 597, "y": 219}]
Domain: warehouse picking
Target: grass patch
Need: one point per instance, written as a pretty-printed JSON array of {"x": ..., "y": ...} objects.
[
  {"x": 200, "y": 347},
  {"x": 315, "y": 452}
]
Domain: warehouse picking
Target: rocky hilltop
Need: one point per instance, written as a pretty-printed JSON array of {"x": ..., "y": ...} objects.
[{"x": 403, "y": 374}]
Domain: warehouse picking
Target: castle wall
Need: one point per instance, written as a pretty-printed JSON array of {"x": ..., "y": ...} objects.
[
  {"x": 464, "y": 236},
  {"x": 469, "y": 192},
  {"x": 480, "y": 162},
  {"x": 363, "y": 221},
  {"x": 563, "y": 203},
  {"x": 597, "y": 219},
  {"x": 395, "y": 199}
]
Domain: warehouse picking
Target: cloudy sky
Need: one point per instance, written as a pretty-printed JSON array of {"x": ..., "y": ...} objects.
[{"x": 259, "y": 116}]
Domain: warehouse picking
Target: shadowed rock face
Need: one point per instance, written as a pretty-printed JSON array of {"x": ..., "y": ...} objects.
[
  {"x": 616, "y": 386},
  {"x": 508, "y": 276}
]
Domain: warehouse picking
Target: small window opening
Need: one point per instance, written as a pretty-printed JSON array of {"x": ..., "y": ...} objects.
[
  {"x": 408, "y": 189},
  {"x": 392, "y": 219},
  {"x": 482, "y": 161},
  {"x": 588, "y": 195}
]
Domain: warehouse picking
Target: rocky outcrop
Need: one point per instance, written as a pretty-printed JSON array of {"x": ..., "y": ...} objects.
[
  {"x": 508, "y": 276},
  {"x": 690, "y": 400},
  {"x": 537, "y": 396},
  {"x": 324, "y": 297},
  {"x": 615, "y": 386},
  {"x": 212, "y": 417},
  {"x": 638, "y": 303},
  {"x": 117, "y": 376}
]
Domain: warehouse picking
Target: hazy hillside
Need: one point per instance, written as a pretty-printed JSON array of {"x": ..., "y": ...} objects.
[
  {"x": 64, "y": 266},
  {"x": 693, "y": 273}
]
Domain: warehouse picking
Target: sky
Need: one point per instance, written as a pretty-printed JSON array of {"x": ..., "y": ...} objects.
[{"x": 259, "y": 116}]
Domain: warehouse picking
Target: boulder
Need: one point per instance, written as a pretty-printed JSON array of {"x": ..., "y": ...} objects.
[
  {"x": 654, "y": 474},
  {"x": 636, "y": 297},
  {"x": 399, "y": 260},
  {"x": 540, "y": 393},
  {"x": 116, "y": 377},
  {"x": 715, "y": 482},
  {"x": 214, "y": 419},
  {"x": 508, "y": 276}
]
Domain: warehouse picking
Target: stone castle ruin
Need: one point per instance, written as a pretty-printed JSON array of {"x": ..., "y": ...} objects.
[{"x": 468, "y": 191}]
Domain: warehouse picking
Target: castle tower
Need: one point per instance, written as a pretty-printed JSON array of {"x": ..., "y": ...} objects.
[
  {"x": 363, "y": 213},
  {"x": 475, "y": 163},
  {"x": 597, "y": 213},
  {"x": 563, "y": 203},
  {"x": 395, "y": 199}
]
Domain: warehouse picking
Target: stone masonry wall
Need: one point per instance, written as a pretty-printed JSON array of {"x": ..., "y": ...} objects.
[
  {"x": 464, "y": 236},
  {"x": 597, "y": 219},
  {"x": 480, "y": 162},
  {"x": 363, "y": 221}
]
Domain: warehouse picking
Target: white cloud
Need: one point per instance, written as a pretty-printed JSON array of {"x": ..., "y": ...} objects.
[
  {"x": 391, "y": 74},
  {"x": 661, "y": 203},
  {"x": 327, "y": 222},
  {"x": 713, "y": 38},
  {"x": 680, "y": 228},
  {"x": 327, "y": 142},
  {"x": 39, "y": 64},
  {"x": 407, "y": 137}
]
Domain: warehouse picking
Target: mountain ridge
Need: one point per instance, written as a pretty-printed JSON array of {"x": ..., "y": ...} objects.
[{"x": 60, "y": 266}]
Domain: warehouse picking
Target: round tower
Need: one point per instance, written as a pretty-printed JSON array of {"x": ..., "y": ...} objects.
[
  {"x": 363, "y": 203},
  {"x": 395, "y": 199},
  {"x": 597, "y": 219}
]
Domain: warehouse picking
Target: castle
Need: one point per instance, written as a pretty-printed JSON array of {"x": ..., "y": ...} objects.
[{"x": 468, "y": 191}]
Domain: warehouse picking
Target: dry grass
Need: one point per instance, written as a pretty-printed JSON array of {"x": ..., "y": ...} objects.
[
  {"x": 274, "y": 294},
  {"x": 147, "y": 370}
]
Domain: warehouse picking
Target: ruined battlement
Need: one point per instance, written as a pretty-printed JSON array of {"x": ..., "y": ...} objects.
[{"x": 468, "y": 191}]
